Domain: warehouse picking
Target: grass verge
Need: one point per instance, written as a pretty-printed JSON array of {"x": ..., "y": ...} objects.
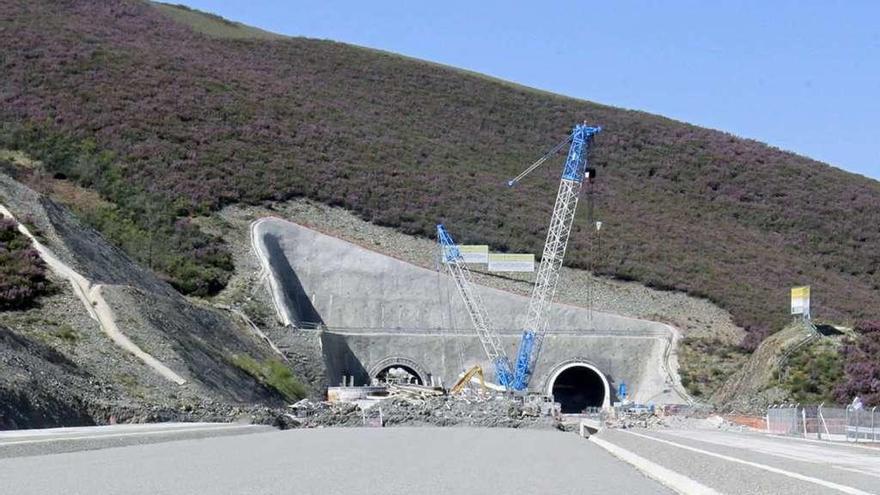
[{"x": 272, "y": 373}]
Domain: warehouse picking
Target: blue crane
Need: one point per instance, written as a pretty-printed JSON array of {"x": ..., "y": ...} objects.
[
  {"x": 452, "y": 259},
  {"x": 574, "y": 172}
]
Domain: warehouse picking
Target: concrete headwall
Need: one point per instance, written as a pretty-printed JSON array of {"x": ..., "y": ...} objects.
[
  {"x": 378, "y": 308},
  {"x": 633, "y": 360}
]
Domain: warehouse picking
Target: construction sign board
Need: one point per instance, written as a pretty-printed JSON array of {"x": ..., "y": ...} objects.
[
  {"x": 499, "y": 262},
  {"x": 800, "y": 300},
  {"x": 474, "y": 253}
]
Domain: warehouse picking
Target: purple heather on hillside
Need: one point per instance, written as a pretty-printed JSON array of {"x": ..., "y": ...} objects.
[
  {"x": 193, "y": 123},
  {"x": 22, "y": 271},
  {"x": 862, "y": 366}
]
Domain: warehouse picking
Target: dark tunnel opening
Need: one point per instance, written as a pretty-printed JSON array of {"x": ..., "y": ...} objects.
[
  {"x": 578, "y": 388},
  {"x": 398, "y": 373}
]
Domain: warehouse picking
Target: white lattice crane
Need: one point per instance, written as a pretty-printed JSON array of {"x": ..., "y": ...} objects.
[
  {"x": 491, "y": 342},
  {"x": 574, "y": 173}
]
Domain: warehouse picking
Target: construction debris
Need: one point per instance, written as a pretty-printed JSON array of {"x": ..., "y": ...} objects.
[{"x": 409, "y": 405}]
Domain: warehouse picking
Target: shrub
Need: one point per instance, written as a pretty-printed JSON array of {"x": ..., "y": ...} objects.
[
  {"x": 862, "y": 366},
  {"x": 813, "y": 374},
  {"x": 274, "y": 374},
  {"x": 22, "y": 271},
  {"x": 706, "y": 363},
  {"x": 145, "y": 226},
  {"x": 755, "y": 334}
]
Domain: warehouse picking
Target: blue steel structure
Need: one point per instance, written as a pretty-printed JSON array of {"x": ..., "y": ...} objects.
[
  {"x": 452, "y": 259},
  {"x": 573, "y": 174}
]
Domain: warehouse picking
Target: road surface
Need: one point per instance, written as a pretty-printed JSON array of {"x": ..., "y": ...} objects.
[
  {"x": 753, "y": 463},
  {"x": 361, "y": 461},
  {"x": 241, "y": 459}
]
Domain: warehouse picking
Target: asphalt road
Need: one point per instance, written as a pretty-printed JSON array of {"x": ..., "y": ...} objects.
[
  {"x": 752, "y": 463},
  {"x": 359, "y": 461},
  {"x": 242, "y": 459},
  {"x": 24, "y": 443}
]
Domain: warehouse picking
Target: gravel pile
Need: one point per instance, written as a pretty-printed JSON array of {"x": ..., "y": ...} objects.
[
  {"x": 493, "y": 412},
  {"x": 204, "y": 411},
  {"x": 697, "y": 421},
  {"x": 644, "y": 420}
]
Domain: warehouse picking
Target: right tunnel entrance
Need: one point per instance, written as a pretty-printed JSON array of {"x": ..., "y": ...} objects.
[{"x": 577, "y": 387}]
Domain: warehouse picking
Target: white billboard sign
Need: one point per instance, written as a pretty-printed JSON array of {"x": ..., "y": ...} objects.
[
  {"x": 472, "y": 253},
  {"x": 499, "y": 262}
]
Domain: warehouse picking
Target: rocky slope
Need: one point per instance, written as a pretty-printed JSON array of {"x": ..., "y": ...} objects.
[{"x": 61, "y": 367}]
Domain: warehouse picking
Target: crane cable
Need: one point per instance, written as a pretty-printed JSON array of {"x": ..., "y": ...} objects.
[{"x": 515, "y": 180}]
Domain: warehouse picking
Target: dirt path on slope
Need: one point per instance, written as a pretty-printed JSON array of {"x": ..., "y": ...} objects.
[{"x": 96, "y": 305}]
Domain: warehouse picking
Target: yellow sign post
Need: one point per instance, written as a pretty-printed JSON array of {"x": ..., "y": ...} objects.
[{"x": 800, "y": 301}]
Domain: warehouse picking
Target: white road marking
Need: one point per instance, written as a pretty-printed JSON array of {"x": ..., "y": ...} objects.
[
  {"x": 802, "y": 452},
  {"x": 823, "y": 442},
  {"x": 163, "y": 431},
  {"x": 88, "y": 430},
  {"x": 790, "y": 474},
  {"x": 678, "y": 482}
]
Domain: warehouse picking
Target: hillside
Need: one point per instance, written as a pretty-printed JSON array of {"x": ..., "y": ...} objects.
[
  {"x": 165, "y": 121},
  {"x": 111, "y": 342}
]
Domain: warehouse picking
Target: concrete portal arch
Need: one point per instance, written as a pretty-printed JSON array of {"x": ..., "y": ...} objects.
[
  {"x": 400, "y": 362},
  {"x": 572, "y": 364}
]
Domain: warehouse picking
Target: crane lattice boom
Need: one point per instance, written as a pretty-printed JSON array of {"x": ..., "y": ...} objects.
[
  {"x": 547, "y": 278},
  {"x": 491, "y": 342}
]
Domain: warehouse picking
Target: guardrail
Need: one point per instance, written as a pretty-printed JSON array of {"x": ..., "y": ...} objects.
[{"x": 838, "y": 424}]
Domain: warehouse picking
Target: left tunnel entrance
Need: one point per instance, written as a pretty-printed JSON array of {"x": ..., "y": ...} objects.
[
  {"x": 399, "y": 369},
  {"x": 398, "y": 373}
]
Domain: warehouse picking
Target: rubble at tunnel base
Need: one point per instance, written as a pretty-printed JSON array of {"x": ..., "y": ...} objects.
[{"x": 490, "y": 411}]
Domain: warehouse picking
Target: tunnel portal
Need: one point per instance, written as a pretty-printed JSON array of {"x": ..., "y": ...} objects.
[
  {"x": 399, "y": 374},
  {"x": 399, "y": 369},
  {"x": 577, "y": 387}
]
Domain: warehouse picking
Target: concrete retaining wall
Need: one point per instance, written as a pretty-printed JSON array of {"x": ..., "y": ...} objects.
[{"x": 378, "y": 307}]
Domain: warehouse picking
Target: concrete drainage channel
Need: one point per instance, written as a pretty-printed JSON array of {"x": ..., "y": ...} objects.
[
  {"x": 589, "y": 427},
  {"x": 680, "y": 483}
]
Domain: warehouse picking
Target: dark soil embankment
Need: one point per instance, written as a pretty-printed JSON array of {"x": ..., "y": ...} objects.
[{"x": 39, "y": 387}]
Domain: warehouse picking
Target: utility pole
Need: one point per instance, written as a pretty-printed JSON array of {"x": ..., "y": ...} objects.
[{"x": 593, "y": 269}]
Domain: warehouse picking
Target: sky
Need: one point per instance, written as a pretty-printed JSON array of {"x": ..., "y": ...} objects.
[{"x": 803, "y": 76}]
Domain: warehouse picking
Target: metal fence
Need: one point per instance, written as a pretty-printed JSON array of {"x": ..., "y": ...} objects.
[{"x": 824, "y": 423}]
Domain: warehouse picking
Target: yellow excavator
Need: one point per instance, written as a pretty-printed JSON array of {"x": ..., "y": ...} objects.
[{"x": 466, "y": 378}]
